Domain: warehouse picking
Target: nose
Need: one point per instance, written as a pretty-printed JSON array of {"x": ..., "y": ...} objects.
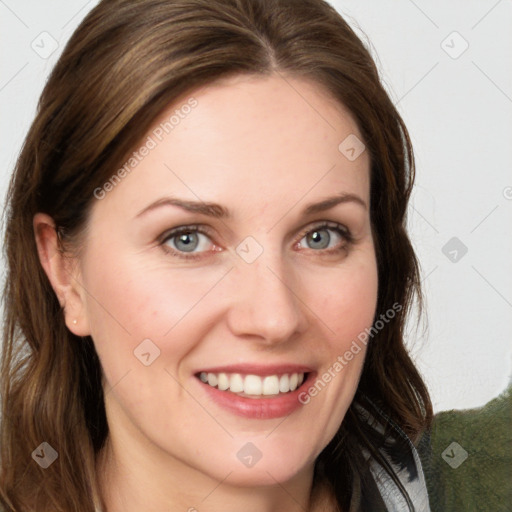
[{"x": 266, "y": 304}]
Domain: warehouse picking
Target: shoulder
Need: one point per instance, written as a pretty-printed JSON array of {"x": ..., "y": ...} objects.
[{"x": 462, "y": 443}]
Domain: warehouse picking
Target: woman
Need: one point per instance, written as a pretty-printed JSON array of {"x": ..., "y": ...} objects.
[{"x": 208, "y": 270}]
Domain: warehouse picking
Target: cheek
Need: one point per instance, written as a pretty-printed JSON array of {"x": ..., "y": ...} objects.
[
  {"x": 129, "y": 300},
  {"x": 346, "y": 301},
  {"x": 141, "y": 298}
]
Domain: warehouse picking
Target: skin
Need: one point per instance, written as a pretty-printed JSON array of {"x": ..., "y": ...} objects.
[{"x": 264, "y": 150}]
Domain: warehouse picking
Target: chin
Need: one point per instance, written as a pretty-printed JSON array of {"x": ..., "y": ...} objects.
[{"x": 260, "y": 461}]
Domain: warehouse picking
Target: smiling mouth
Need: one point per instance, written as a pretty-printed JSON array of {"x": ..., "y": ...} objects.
[{"x": 253, "y": 386}]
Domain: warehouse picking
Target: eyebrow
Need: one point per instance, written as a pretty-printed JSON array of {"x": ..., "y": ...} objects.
[{"x": 220, "y": 212}]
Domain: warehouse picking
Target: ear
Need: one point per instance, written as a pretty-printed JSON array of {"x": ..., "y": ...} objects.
[{"x": 63, "y": 273}]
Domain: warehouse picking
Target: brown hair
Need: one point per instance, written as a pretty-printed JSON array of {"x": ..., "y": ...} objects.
[{"x": 126, "y": 62}]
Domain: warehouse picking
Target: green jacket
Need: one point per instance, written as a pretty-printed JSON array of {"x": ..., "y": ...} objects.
[{"x": 467, "y": 458}]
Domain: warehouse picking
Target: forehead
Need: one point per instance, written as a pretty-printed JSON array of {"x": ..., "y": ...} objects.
[{"x": 247, "y": 142}]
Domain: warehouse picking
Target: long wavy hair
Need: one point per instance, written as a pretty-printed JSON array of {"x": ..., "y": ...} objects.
[{"x": 125, "y": 63}]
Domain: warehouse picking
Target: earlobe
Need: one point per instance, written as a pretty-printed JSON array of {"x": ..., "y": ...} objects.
[{"x": 61, "y": 270}]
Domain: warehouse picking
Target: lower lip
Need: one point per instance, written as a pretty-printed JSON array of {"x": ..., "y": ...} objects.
[{"x": 276, "y": 406}]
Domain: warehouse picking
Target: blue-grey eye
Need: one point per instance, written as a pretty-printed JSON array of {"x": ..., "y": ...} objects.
[
  {"x": 320, "y": 237},
  {"x": 187, "y": 240}
]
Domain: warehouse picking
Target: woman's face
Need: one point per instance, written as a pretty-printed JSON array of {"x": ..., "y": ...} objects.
[{"x": 253, "y": 296}]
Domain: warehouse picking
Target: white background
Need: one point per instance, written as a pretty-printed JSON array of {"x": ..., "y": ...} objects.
[{"x": 458, "y": 108}]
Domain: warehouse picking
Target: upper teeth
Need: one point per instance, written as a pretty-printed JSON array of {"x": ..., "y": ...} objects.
[{"x": 253, "y": 384}]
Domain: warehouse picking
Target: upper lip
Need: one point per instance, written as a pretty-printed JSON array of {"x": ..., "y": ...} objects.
[{"x": 258, "y": 369}]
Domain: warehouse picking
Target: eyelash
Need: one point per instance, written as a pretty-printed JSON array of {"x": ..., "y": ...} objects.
[{"x": 194, "y": 228}]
